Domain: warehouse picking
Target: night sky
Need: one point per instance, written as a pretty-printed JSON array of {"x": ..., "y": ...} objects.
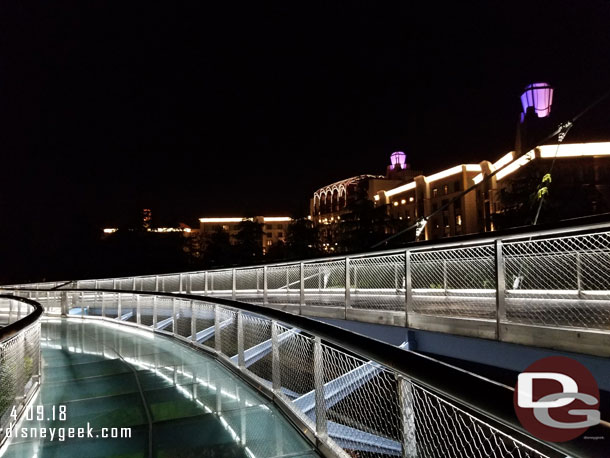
[{"x": 228, "y": 108}]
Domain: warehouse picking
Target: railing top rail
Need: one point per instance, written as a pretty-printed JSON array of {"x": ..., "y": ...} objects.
[
  {"x": 14, "y": 328},
  {"x": 452, "y": 383}
]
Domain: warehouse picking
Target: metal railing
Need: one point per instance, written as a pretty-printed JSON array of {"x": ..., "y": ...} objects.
[
  {"x": 350, "y": 395},
  {"x": 20, "y": 366},
  {"x": 545, "y": 288}
]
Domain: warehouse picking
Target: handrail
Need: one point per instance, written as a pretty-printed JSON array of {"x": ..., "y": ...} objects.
[
  {"x": 452, "y": 383},
  {"x": 13, "y": 328}
]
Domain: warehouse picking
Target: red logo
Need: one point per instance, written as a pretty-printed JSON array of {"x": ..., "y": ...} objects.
[{"x": 557, "y": 399}]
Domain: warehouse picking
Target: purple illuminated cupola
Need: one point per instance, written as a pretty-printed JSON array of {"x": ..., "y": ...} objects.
[
  {"x": 398, "y": 161},
  {"x": 537, "y": 99}
]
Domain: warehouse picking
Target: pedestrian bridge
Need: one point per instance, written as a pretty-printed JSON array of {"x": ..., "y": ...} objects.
[{"x": 345, "y": 394}]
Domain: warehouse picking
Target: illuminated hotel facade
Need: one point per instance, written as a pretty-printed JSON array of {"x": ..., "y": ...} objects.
[
  {"x": 576, "y": 165},
  {"x": 411, "y": 196},
  {"x": 274, "y": 228}
]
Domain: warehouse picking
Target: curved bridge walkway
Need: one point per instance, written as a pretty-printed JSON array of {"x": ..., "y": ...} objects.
[{"x": 175, "y": 400}]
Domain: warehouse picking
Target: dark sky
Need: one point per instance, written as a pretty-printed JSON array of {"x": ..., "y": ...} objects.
[{"x": 211, "y": 108}]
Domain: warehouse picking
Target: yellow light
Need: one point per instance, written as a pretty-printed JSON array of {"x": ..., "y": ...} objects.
[
  {"x": 411, "y": 199},
  {"x": 510, "y": 168},
  {"x": 110, "y": 230},
  {"x": 220, "y": 220},
  {"x": 396, "y": 204},
  {"x": 276, "y": 219},
  {"x": 507, "y": 158},
  {"x": 444, "y": 174},
  {"x": 376, "y": 197},
  {"x": 399, "y": 189},
  {"x": 575, "y": 150},
  {"x": 473, "y": 168},
  {"x": 403, "y": 201},
  {"x": 187, "y": 229},
  {"x": 478, "y": 178}
]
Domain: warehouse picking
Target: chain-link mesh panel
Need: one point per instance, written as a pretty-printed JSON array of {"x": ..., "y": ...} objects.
[
  {"x": 563, "y": 281},
  {"x": 19, "y": 372},
  {"x": 146, "y": 304},
  {"x": 148, "y": 283},
  {"x": 111, "y": 305},
  {"x": 378, "y": 282},
  {"x": 85, "y": 284},
  {"x": 170, "y": 283},
  {"x": 184, "y": 316},
  {"x": 440, "y": 429},
  {"x": 198, "y": 282},
  {"x": 228, "y": 331},
  {"x": 204, "y": 323},
  {"x": 105, "y": 284},
  {"x": 249, "y": 280},
  {"x": 362, "y": 404},
  {"x": 257, "y": 336},
  {"x": 325, "y": 283},
  {"x": 456, "y": 282},
  {"x": 284, "y": 284},
  {"x": 165, "y": 313},
  {"x": 220, "y": 282}
]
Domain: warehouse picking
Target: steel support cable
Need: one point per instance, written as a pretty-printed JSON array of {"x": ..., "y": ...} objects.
[{"x": 421, "y": 222}]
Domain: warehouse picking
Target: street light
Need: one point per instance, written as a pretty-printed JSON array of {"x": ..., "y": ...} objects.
[{"x": 537, "y": 98}]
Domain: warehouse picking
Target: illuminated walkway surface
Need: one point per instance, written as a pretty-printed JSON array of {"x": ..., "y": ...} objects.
[{"x": 115, "y": 377}]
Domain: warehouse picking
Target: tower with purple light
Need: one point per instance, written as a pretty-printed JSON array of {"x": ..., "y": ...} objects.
[
  {"x": 537, "y": 99},
  {"x": 398, "y": 160}
]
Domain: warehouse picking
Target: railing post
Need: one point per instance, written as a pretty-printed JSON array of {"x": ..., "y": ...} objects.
[
  {"x": 174, "y": 316},
  {"x": 241, "y": 362},
  {"x": 205, "y": 282},
  {"x": 114, "y": 284},
  {"x": 156, "y": 283},
  {"x": 103, "y": 305},
  {"x": 82, "y": 306},
  {"x": 579, "y": 275},
  {"x": 407, "y": 413},
  {"x": 154, "y": 311},
  {"x": 189, "y": 283},
  {"x": 118, "y": 306},
  {"x": 318, "y": 380},
  {"x": 500, "y": 289},
  {"x": 275, "y": 358},
  {"x": 63, "y": 303},
  {"x": 138, "y": 308},
  {"x": 287, "y": 279},
  {"x": 133, "y": 284},
  {"x": 233, "y": 284},
  {"x": 193, "y": 323},
  {"x": 217, "y": 345},
  {"x": 180, "y": 279},
  {"x": 445, "y": 277},
  {"x": 302, "y": 285},
  {"x": 347, "y": 284},
  {"x": 265, "y": 298},
  {"x": 408, "y": 286},
  {"x": 97, "y": 284}
]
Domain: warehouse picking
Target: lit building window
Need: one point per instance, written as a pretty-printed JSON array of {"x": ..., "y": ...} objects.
[
  {"x": 269, "y": 242},
  {"x": 446, "y": 189},
  {"x": 458, "y": 220},
  {"x": 435, "y": 192}
]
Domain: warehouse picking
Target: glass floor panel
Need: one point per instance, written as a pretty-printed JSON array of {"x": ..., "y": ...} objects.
[{"x": 172, "y": 400}]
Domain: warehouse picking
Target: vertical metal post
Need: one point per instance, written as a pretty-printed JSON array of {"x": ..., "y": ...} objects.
[
  {"x": 275, "y": 358},
  {"x": 287, "y": 279},
  {"x": 180, "y": 280},
  {"x": 302, "y": 284},
  {"x": 318, "y": 380},
  {"x": 241, "y": 362},
  {"x": 174, "y": 316},
  {"x": 97, "y": 284},
  {"x": 193, "y": 323},
  {"x": 347, "y": 284},
  {"x": 189, "y": 283},
  {"x": 156, "y": 283},
  {"x": 114, "y": 284},
  {"x": 408, "y": 286},
  {"x": 103, "y": 305},
  {"x": 445, "y": 276},
  {"x": 118, "y": 306},
  {"x": 155, "y": 301},
  {"x": 579, "y": 275},
  {"x": 205, "y": 282},
  {"x": 500, "y": 289},
  {"x": 265, "y": 292},
  {"x": 82, "y": 306},
  {"x": 233, "y": 283},
  {"x": 133, "y": 284},
  {"x": 138, "y": 308},
  {"x": 217, "y": 329},
  {"x": 407, "y": 412},
  {"x": 64, "y": 303}
]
